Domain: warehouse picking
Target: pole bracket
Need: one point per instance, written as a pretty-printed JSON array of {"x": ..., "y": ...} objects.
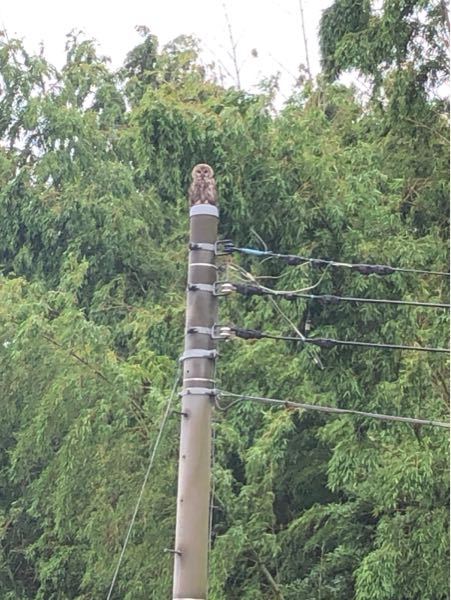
[
  {"x": 198, "y": 379},
  {"x": 199, "y": 353},
  {"x": 202, "y": 246},
  {"x": 201, "y": 287},
  {"x": 198, "y": 391},
  {"x": 202, "y": 330}
]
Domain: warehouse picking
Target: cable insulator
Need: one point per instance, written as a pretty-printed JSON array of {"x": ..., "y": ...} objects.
[
  {"x": 247, "y": 334},
  {"x": 249, "y": 290},
  {"x": 365, "y": 269}
]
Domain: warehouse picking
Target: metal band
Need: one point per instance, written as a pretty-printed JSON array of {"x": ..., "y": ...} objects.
[
  {"x": 198, "y": 391},
  {"x": 199, "y": 354},
  {"x": 203, "y": 330},
  {"x": 204, "y": 209},
  {"x": 198, "y": 379},
  {"x": 201, "y": 287},
  {"x": 203, "y": 265},
  {"x": 202, "y": 246}
]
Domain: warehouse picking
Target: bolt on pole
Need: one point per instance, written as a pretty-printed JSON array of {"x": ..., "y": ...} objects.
[{"x": 193, "y": 494}]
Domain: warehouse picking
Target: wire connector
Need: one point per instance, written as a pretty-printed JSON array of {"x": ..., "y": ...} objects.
[
  {"x": 224, "y": 247},
  {"x": 223, "y": 288},
  {"x": 221, "y": 332}
]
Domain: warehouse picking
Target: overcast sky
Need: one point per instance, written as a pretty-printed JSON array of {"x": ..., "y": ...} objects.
[{"x": 272, "y": 27}]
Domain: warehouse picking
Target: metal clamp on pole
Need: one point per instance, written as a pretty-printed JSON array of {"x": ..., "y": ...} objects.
[
  {"x": 202, "y": 330},
  {"x": 202, "y": 246},
  {"x": 212, "y": 354},
  {"x": 198, "y": 391},
  {"x": 201, "y": 287}
]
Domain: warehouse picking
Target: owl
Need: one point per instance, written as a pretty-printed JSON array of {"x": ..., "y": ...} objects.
[{"x": 203, "y": 187}]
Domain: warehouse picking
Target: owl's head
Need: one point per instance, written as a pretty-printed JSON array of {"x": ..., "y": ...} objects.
[{"x": 202, "y": 172}]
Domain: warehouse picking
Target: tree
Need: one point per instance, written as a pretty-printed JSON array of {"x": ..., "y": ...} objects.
[{"x": 94, "y": 168}]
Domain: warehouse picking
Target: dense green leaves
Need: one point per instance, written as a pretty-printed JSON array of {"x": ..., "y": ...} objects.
[{"x": 94, "y": 168}]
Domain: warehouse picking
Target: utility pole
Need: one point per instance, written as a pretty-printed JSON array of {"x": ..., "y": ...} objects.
[{"x": 193, "y": 494}]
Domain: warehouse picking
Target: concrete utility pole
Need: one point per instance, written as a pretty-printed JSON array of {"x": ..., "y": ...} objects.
[{"x": 191, "y": 536}]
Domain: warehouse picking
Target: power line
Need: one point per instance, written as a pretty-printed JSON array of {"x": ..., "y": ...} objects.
[
  {"x": 301, "y": 337},
  {"x": 294, "y": 259},
  {"x": 260, "y": 290},
  {"x": 249, "y": 334},
  {"x": 334, "y": 410},
  {"x": 146, "y": 477}
]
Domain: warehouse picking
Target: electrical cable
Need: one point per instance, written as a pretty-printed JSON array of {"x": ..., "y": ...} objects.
[
  {"x": 362, "y": 268},
  {"x": 260, "y": 290},
  {"x": 334, "y": 410},
  {"x": 251, "y": 277},
  {"x": 249, "y": 334},
  {"x": 146, "y": 477},
  {"x": 315, "y": 358}
]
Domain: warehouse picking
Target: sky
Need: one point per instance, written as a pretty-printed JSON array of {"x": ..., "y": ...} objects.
[{"x": 272, "y": 27}]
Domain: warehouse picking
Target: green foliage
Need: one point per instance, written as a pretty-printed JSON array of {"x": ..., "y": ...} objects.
[{"x": 94, "y": 168}]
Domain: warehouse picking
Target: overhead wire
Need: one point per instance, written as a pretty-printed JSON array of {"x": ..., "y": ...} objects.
[
  {"x": 261, "y": 290},
  {"x": 249, "y": 334},
  {"x": 245, "y": 274},
  {"x": 146, "y": 477},
  {"x": 251, "y": 277},
  {"x": 363, "y": 268},
  {"x": 333, "y": 410}
]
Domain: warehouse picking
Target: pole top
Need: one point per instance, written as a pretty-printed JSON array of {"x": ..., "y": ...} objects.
[
  {"x": 203, "y": 186},
  {"x": 204, "y": 209}
]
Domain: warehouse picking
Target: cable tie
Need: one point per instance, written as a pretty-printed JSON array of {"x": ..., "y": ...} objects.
[
  {"x": 202, "y": 246},
  {"x": 200, "y": 353}
]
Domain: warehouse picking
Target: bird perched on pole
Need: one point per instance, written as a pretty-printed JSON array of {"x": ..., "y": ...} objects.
[{"x": 203, "y": 187}]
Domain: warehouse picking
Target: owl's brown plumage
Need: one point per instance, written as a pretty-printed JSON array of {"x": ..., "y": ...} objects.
[{"x": 203, "y": 187}]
